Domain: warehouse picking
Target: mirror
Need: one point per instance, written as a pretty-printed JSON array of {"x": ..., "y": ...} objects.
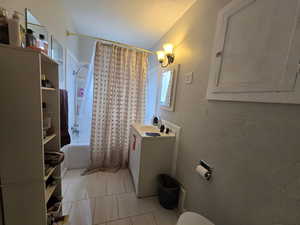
[
  {"x": 31, "y": 22},
  {"x": 57, "y": 53},
  {"x": 168, "y": 81}
]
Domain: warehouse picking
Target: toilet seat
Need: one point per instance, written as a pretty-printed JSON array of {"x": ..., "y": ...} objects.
[{"x": 191, "y": 218}]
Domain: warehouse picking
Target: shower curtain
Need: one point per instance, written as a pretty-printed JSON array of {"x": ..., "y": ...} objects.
[{"x": 118, "y": 101}]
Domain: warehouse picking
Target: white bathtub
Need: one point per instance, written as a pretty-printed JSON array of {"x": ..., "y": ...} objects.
[{"x": 77, "y": 156}]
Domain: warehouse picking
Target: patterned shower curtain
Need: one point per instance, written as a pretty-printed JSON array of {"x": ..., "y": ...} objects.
[{"x": 119, "y": 100}]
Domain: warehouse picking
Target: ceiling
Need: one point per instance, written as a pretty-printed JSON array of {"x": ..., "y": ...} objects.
[{"x": 136, "y": 22}]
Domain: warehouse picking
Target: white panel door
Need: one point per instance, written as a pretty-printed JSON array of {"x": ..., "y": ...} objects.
[{"x": 257, "y": 47}]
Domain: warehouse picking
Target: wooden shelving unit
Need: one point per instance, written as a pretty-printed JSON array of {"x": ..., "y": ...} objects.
[
  {"x": 48, "y": 138},
  {"x": 22, "y": 143},
  {"x": 49, "y": 172},
  {"x": 49, "y": 191},
  {"x": 65, "y": 221},
  {"x": 48, "y": 89}
]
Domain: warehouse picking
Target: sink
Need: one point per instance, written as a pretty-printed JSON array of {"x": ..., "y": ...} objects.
[
  {"x": 149, "y": 157},
  {"x": 148, "y": 128},
  {"x": 142, "y": 129}
]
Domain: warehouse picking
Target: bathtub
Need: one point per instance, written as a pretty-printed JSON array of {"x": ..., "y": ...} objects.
[{"x": 77, "y": 156}]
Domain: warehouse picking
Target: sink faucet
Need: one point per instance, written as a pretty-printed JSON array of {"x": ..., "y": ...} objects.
[
  {"x": 159, "y": 123},
  {"x": 156, "y": 121}
]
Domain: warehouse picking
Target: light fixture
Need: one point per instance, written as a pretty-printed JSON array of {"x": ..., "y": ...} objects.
[
  {"x": 168, "y": 48},
  {"x": 161, "y": 56},
  {"x": 167, "y": 56}
]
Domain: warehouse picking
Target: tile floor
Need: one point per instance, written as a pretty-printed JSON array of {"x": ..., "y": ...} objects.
[{"x": 109, "y": 199}]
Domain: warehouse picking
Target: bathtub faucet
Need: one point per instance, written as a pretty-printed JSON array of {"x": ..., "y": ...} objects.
[{"x": 75, "y": 130}]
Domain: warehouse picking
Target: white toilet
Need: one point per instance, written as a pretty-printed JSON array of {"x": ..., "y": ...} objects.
[{"x": 191, "y": 218}]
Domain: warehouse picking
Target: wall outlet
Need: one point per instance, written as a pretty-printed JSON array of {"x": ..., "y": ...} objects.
[
  {"x": 182, "y": 197},
  {"x": 188, "y": 78}
]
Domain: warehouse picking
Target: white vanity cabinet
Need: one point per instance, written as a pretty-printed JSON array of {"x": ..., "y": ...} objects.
[
  {"x": 257, "y": 52},
  {"x": 149, "y": 157}
]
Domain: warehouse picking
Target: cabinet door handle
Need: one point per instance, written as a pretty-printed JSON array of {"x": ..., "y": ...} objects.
[{"x": 219, "y": 54}]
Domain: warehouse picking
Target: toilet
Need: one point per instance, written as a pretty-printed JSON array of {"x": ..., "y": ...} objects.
[{"x": 191, "y": 218}]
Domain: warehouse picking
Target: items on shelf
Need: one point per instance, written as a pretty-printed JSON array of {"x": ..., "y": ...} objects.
[
  {"x": 17, "y": 33},
  {"x": 47, "y": 121},
  {"x": 56, "y": 220},
  {"x": 42, "y": 44},
  {"x": 4, "y": 36},
  {"x": 54, "y": 205},
  {"x": 45, "y": 82},
  {"x": 39, "y": 43},
  {"x": 31, "y": 41},
  {"x": 54, "y": 209},
  {"x": 53, "y": 200},
  {"x": 54, "y": 158},
  {"x": 47, "y": 168},
  {"x": 11, "y": 30},
  {"x": 13, "y": 33},
  {"x": 52, "y": 181}
]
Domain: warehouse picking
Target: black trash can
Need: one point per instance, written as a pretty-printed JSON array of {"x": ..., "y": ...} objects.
[{"x": 168, "y": 191}]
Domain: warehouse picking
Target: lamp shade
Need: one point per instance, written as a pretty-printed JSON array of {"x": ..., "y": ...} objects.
[
  {"x": 160, "y": 56},
  {"x": 168, "y": 49}
]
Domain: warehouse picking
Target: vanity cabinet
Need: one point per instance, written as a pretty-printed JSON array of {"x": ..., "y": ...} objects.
[
  {"x": 149, "y": 157},
  {"x": 256, "y": 52}
]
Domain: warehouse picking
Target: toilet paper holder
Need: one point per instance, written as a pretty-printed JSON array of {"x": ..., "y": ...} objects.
[{"x": 208, "y": 167}]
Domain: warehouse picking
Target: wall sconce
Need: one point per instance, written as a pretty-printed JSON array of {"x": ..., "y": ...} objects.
[{"x": 167, "y": 56}]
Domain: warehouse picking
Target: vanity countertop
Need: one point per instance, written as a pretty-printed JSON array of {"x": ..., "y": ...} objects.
[{"x": 142, "y": 129}]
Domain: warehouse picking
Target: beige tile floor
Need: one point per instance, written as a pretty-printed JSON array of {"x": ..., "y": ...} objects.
[{"x": 109, "y": 199}]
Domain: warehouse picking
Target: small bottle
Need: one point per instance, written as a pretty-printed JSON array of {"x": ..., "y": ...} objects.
[
  {"x": 162, "y": 128},
  {"x": 155, "y": 121},
  {"x": 43, "y": 44},
  {"x": 14, "y": 30},
  {"x": 30, "y": 39},
  {"x": 43, "y": 80},
  {"x": 4, "y": 35}
]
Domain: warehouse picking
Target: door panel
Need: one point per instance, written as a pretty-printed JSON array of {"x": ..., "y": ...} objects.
[{"x": 257, "y": 47}]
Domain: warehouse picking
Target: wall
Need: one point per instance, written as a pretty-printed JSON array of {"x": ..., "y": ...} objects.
[
  {"x": 51, "y": 14},
  {"x": 86, "y": 49},
  {"x": 253, "y": 147}
]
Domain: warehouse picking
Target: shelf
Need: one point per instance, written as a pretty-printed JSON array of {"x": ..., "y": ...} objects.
[
  {"x": 64, "y": 221},
  {"x": 49, "y": 172},
  {"x": 58, "y": 210},
  {"x": 48, "y": 89},
  {"x": 48, "y": 138},
  {"x": 49, "y": 191},
  {"x": 44, "y": 57}
]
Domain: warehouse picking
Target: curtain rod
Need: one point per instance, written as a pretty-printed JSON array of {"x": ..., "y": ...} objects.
[{"x": 114, "y": 42}]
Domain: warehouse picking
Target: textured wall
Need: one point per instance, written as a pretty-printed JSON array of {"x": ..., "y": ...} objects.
[{"x": 254, "y": 148}]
